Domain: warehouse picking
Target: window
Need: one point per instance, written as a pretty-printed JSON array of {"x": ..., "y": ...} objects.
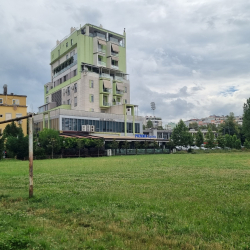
[
  {"x": 47, "y": 99},
  {"x": 74, "y": 72},
  {"x": 125, "y": 100},
  {"x": 91, "y": 84},
  {"x": 68, "y": 101},
  {"x": 75, "y": 87},
  {"x": 67, "y": 44},
  {"x": 60, "y": 80},
  {"x": 1, "y": 100},
  {"x": 67, "y": 56},
  {"x": 71, "y": 41},
  {"x": 68, "y": 90},
  {"x": 75, "y": 101},
  {"x": 47, "y": 89},
  {"x": 125, "y": 90},
  {"x": 65, "y": 78},
  {"x": 91, "y": 98},
  {"x": 15, "y": 101},
  {"x": 59, "y": 52},
  {"x": 54, "y": 84},
  {"x": 91, "y": 110},
  {"x": 18, "y": 115}
]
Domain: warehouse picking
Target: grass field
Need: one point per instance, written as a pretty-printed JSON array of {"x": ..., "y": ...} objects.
[{"x": 128, "y": 202}]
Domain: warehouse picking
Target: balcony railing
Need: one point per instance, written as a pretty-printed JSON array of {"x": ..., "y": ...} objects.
[
  {"x": 102, "y": 63},
  {"x": 119, "y": 78},
  {"x": 118, "y": 103},
  {"x": 106, "y": 76},
  {"x": 68, "y": 67},
  {"x": 114, "y": 40},
  {"x": 106, "y": 90},
  {"x": 102, "y": 51},
  {"x": 114, "y": 54},
  {"x": 114, "y": 67},
  {"x": 106, "y": 104},
  {"x": 119, "y": 92}
]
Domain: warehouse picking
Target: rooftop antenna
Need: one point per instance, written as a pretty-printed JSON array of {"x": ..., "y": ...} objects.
[{"x": 153, "y": 107}]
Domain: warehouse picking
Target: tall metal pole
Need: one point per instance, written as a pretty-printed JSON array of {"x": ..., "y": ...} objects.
[{"x": 30, "y": 157}]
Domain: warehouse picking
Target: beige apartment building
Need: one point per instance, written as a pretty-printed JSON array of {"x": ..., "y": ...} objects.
[{"x": 89, "y": 85}]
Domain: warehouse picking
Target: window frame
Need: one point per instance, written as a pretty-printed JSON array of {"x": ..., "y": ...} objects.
[
  {"x": 1, "y": 100},
  {"x": 16, "y": 101},
  {"x": 91, "y": 84},
  {"x": 91, "y": 98},
  {"x": 75, "y": 101}
]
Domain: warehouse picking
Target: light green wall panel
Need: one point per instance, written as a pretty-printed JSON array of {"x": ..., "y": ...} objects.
[{"x": 122, "y": 59}]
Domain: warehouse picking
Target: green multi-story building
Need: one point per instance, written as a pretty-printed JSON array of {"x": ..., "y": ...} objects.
[{"x": 89, "y": 84}]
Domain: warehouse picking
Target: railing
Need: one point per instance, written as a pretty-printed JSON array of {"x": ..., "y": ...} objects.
[
  {"x": 102, "y": 50},
  {"x": 106, "y": 90},
  {"x": 106, "y": 104},
  {"x": 64, "y": 39},
  {"x": 106, "y": 76},
  {"x": 114, "y": 67},
  {"x": 68, "y": 67},
  {"x": 118, "y": 103},
  {"x": 119, "y": 92},
  {"x": 101, "y": 63},
  {"x": 114, "y": 54},
  {"x": 99, "y": 35},
  {"x": 114, "y": 40},
  {"x": 119, "y": 78}
]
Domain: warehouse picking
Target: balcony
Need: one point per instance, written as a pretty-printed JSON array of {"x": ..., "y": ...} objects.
[
  {"x": 119, "y": 92},
  {"x": 100, "y": 63},
  {"x": 114, "y": 40},
  {"x": 103, "y": 51},
  {"x": 114, "y": 53},
  {"x": 107, "y": 104},
  {"x": 119, "y": 78},
  {"x": 106, "y": 90},
  {"x": 104, "y": 75},
  {"x": 114, "y": 67}
]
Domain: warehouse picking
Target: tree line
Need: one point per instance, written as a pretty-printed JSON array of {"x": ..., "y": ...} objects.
[{"x": 230, "y": 134}]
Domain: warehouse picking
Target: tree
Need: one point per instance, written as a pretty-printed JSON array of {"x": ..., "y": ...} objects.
[
  {"x": 181, "y": 136},
  {"x": 125, "y": 145},
  {"x": 210, "y": 139},
  {"x": 50, "y": 140},
  {"x": 234, "y": 139},
  {"x": 149, "y": 124},
  {"x": 221, "y": 141},
  {"x": 11, "y": 130},
  {"x": 199, "y": 138},
  {"x": 18, "y": 146},
  {"x": 229, "y": 126},
  {"x": 137, "y": 145},
  {"x": 145, "y": 145},
  {"x": 228, "y": 141},
  {"x": 246, "y": 119},
  {"x": 80, "y": 145},
  {"x": 99, "y": 144},
  {"x": 1, "y": 146},
  {"x": 238, "y": 144},
  {"x": 247, "y": 144}
]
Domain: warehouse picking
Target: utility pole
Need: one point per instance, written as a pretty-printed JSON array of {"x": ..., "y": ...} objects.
[{"x": 30, "y": 157}]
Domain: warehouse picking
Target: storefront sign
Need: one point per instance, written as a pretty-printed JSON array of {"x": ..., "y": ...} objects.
[{"x": 144, "y": 136}]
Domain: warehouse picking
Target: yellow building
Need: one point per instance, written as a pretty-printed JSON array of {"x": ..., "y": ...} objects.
[{"x": 12, "y": 106}]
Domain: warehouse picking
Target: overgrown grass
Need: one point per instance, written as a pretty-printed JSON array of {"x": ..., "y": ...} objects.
[{"x": 187, "y": 201}]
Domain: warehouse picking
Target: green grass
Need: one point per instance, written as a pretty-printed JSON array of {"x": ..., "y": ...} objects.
[{"x": 189, "y": 201}]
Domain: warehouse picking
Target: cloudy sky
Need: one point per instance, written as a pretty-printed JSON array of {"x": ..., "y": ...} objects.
[{"x": 191, "y": 57}]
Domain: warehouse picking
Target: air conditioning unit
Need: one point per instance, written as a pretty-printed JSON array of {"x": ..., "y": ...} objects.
[
  {"x": 88, "y": 128},
  {"x": 84, "y": 128},
  {"x": 92, "y": 128}
]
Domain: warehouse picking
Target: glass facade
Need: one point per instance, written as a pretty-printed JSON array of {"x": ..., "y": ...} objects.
[{"x": 71, "y": 124}]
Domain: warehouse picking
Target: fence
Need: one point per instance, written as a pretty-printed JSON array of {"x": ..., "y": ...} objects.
[{"x": 139, "y": 151}]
